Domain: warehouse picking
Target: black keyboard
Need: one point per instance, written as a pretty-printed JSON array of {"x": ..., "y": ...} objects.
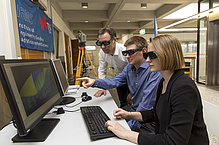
[{"x": 95, "y": 119}]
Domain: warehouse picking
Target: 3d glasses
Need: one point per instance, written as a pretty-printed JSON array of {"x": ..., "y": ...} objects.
[
  {"x": 151, "y": 55},
  {"x": 106, "y": 42},
  {"x": 131, "y": 51}
]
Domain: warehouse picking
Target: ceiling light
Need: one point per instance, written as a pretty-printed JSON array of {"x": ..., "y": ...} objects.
[
  {"x": 188, "y": 10},
  {"x": 84, "y": 5},
  {"x": 180, "y": 29},
  {"x": 128, "y": 21},
  {"x": 196, "y": 16},
  {"x": 143, "y": 5},
  {"x": 86, "y": 21}
]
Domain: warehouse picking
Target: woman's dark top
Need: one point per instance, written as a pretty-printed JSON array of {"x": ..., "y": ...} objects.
[{"x": 177, "y": 114}]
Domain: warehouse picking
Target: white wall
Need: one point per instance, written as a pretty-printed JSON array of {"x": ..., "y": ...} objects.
[
  {"x": 9, "y": 40},
  {"x": 2, "y": 52},
  {"x": 63, "y": 28}
]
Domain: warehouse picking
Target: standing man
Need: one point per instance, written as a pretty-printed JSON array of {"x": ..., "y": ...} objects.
[
  {"x": 111, "y": 53},
  {"x": 141, "y": 81}
]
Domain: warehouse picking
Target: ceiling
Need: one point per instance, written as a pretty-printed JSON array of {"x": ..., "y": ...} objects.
[{"x": 117, "y": 13}]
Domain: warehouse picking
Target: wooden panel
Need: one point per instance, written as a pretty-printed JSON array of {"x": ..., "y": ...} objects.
[
  {"x": 5, "y": 111},
  {"x": 75, "y": 52},
  {"x": 68, "y": 59},
  {"x": 31, "y": 54}
]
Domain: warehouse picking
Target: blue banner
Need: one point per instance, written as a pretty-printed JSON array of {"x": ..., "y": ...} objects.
[{"x": 35, "y": 27}]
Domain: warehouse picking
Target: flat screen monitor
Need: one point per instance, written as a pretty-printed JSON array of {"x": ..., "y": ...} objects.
[
  {"x": 62, "y": 81},
  {"x": 31, "y": 94}
]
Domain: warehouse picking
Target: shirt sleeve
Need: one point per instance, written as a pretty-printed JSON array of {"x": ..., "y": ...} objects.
[
  {"x": 134, "y": 125},
  {"x": 102, "y": 66},
  {"x": 109, "y": 83},
  {"x": 147, "y": 116}
]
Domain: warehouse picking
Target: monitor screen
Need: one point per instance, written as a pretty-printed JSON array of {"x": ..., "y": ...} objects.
[
  {"x": 30, "y": 90},
  {"x": 61, "y": 75},
  {"x": 62, "y": 81}
]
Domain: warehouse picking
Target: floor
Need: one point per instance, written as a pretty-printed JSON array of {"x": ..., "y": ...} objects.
[{"x": 208, "y": 93}]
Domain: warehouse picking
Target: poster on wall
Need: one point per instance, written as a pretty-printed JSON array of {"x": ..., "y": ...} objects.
[{"x": 35, "y": 27}]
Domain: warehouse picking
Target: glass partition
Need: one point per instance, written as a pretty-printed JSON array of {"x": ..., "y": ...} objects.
[
  {"x": 201, "y": 45},
  {"x": 202, "y": 50}
]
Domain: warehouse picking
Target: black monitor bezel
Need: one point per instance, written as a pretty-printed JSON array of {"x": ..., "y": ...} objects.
[
  {"x": 66, "y": 99},
  {"x": 17, "y": 118},
  {"x": 56, "y": 74}
]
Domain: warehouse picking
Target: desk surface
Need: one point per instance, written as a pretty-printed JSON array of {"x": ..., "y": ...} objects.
[{"x": 72, "y": 129}]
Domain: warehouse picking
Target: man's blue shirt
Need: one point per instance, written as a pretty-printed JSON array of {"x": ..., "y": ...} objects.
[{"x": 142, "y": 84}]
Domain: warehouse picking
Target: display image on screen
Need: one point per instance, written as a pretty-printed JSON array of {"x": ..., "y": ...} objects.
[
  {"x": 33, "y": 87},
  {"x": 31, "y": 91}
]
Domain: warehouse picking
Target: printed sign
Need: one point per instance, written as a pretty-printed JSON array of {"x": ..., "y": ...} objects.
[{"x": 35, "y": 27}]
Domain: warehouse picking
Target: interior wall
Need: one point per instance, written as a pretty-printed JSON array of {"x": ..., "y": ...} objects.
[
  {"x": 2, "y": 52},
  {"x": 63, "y": 29}
]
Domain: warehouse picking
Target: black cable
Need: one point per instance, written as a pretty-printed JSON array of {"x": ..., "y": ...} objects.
[
  {"x": 51, "y": 112},
  {"x": 74, "y": 105},
  {"x": 67, "y": 110},
  {"x": 64, "y": 110},
  {"x": 72, "y": 110}
]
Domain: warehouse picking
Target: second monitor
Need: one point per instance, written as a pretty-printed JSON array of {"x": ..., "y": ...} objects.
[{"x": 62, "y": 81}]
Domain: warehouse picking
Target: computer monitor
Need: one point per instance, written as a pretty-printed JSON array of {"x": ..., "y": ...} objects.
[
  {"x": 31, "y": 94},
  {"x": 61, "y": 81}
]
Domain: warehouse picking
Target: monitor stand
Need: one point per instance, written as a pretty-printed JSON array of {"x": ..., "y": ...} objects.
[
  {"x": 40, "y": 132},
  {"x": 67, "y": 100}
]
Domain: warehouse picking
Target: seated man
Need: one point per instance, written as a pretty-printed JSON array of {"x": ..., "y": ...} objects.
[{"x": 141, "y": 81}]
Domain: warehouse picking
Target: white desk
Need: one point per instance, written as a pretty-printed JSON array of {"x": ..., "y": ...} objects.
[{"x": 71, "y": 130}]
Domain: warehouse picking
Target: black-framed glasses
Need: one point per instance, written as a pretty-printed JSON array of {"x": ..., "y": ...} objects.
[
  {"x": 150, "y": 54},
  {"x": 106, "y": 42},
  {"x": 131, "y": 51}
]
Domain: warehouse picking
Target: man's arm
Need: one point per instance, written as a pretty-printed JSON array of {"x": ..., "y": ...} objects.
[{"x": 114, "y": 82}]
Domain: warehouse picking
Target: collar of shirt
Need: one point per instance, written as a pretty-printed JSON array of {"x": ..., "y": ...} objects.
[
  {"x": 116, "y": 52},
  {"x": 144, "y": 65}
]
